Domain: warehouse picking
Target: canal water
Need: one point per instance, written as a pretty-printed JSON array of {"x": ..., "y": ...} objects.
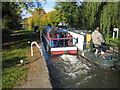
[{"x": 71, "y": 71}]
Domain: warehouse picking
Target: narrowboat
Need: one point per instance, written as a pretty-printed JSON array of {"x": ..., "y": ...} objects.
[{"x": 63, "y": 43}]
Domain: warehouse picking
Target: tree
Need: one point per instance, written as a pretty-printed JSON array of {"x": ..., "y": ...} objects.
[
  {"x": 50, "y": 18},
  {"x": 10, "y": 17},
  {"x": 11, "y": 14},
  {"x": 89, "y": 15},
  {"x": 69, "y": 12},
  {"x": 109, "y": 16},
  {"x": 30, "y": 23},
  {"x": 36, "y": 15}
]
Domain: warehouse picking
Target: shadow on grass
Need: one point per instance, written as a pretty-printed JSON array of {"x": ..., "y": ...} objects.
[
  {"x": 12, "y": 62},
  {"x": 22, "y": 40},
  {"x": 17, "y": 38},
  {"x": 15, "y": 47},
  {"x": 25, "y": 31}
]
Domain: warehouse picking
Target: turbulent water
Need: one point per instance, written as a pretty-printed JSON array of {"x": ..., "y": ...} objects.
[{"x": 70, "y": 71}]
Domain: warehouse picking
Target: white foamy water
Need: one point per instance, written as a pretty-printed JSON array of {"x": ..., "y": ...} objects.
[{"x": 72, "y": 66}]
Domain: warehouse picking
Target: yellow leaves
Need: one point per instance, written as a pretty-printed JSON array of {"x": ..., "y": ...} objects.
[
  {"x": 29, "y": 22},
  {"x": 39, "y": 17},
  {"x": 36, "y": 15},
  {"x": 49, "y": 17}
]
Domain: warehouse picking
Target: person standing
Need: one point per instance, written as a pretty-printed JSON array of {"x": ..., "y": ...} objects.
[
  {"x": 97, "y": 39},
  {"x": 35, "y": 28}
]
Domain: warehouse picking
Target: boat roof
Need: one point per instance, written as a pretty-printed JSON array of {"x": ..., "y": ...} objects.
[{"x": 61, "y": 31}]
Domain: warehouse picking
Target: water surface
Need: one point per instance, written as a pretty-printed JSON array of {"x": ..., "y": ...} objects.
[{"x": 70, "y": 71}]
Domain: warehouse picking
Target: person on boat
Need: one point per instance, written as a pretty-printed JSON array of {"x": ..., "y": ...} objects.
[
  {"x": 69, "y": 42},
  {"x": 98, "y": 39},
  {"x": 53, "y": 34}
]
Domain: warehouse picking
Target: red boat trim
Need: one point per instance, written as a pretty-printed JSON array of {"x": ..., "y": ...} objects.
[
  {"x": 72, "y": 52},
  {"x": 57, "y": 53},
  {"x": 64, "y": 38},
  {"x": 62, "y": 52},
  {"x": 60, "y": 29}
]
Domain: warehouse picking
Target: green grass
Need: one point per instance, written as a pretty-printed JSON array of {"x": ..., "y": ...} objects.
[
  {"x": 11, "y": 57},
  {"x": 11, "y": 73},
  {"x": 25, "y": 31},
  {"x": 115, "y": 40},
  {"x": 112, "y": 43}
]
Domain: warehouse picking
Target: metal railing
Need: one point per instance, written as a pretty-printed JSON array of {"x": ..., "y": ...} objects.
[
  {"x": 62, "y": 42},
  {"x": 35, "y": 43}
]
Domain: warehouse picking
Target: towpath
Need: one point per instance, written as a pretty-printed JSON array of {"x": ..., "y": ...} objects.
[{"x": 38, "y": 74}]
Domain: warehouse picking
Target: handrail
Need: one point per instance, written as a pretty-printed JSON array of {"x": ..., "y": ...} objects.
[
  {"x": 103, "y": 46},
  {"x": 62, "y": 38},
  {"x": 50, "y": 40},
  {"x": 34, "y": 42}
]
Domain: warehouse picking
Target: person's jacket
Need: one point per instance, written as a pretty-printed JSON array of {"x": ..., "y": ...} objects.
[{"x": 97, "y": 38}]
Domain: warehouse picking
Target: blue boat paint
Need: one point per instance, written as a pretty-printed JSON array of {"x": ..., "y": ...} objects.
[{"x": 46, "y": 56}]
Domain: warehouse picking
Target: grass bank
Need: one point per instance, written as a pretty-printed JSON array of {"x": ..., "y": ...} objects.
[
  {"x": 115, "y": 41},
  {"x": 15, "y": 48}
]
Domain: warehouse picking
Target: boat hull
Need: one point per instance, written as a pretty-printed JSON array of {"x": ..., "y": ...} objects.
[{"x": 64, "y": 50}]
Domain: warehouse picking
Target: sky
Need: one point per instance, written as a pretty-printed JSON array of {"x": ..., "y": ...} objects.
[{"x": 48, "y": 6}]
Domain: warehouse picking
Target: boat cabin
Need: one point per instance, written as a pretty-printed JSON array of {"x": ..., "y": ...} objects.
[{"x": 59, "y": 41}]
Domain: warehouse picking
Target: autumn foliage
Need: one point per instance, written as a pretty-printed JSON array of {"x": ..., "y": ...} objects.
[{"x": 40, "y": 18}]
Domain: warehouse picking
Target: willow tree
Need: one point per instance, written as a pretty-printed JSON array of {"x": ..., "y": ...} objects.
[
  {"x": 109, "y": 16},
  {"x": 90, "y": 14},
  {"x": 103, "y": 14},
  {"x": 69, "y": 12}
]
